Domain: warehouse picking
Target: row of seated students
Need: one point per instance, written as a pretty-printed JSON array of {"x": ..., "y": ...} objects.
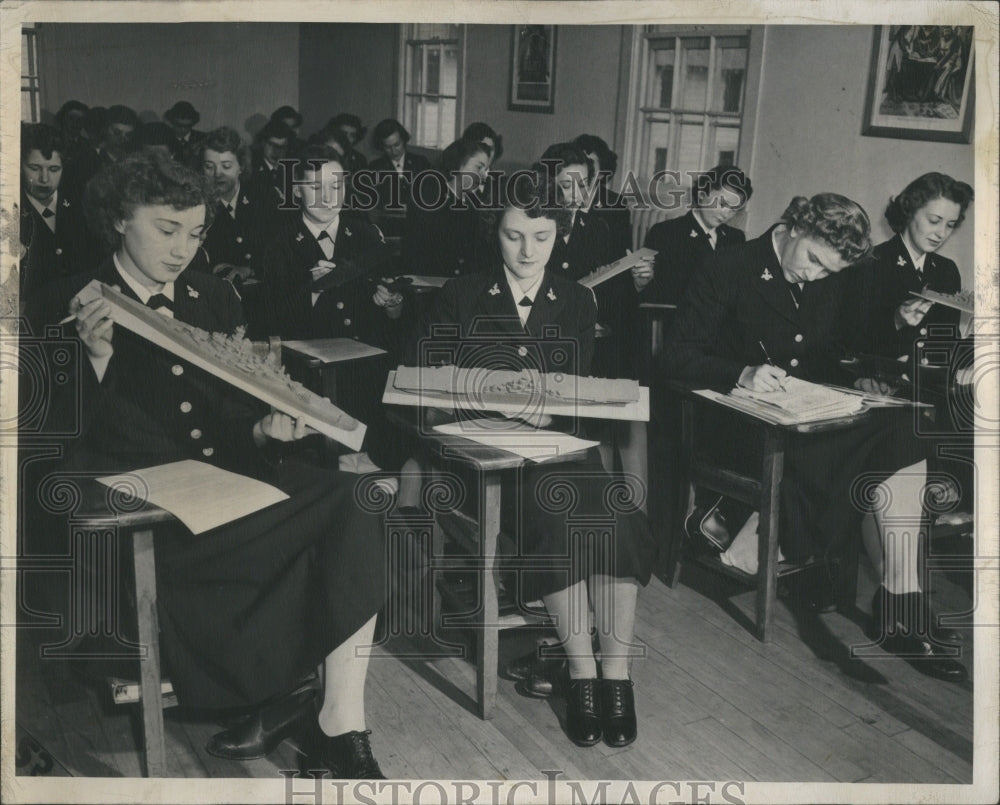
[{"x": 804, "y": 288}]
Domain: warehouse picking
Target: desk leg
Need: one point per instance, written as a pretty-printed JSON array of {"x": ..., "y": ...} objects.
[
  {"x": 767, "y": 540},
  {"x": 488, "y": 636},
  {"x": 149, "y": 636},
  {"x": 685, "y": 492}
]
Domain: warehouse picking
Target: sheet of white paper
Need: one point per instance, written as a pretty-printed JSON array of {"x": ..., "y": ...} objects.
[
  {"x": 199, "y": 495},
  {"x": 333, "y": 350},
  {"x": 518, "y": 438}
]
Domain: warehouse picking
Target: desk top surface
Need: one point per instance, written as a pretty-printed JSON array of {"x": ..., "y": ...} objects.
[{"x": 98, "y": 502}]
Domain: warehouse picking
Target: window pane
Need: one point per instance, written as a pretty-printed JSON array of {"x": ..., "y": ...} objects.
[
  {"x": 448, "y": 109},
  {"x": 730, "y": 75},
  {"x": 25, "y": 62},
  {"x": 27, "y": 113},
  {"x": 689, "y": 151},
  {"x": 428, "y": 121},
  {"x": 432, "y": 80},
  {"x": 417, "y": 71},
  {"x": 662, "y": 77},
  {"x": 434, "y": 31},
  {"x": 659, "y": 145},
  {"x": 727, "y": 142},
  {"x": 449, "y": 71},
  {"x": 694, "y": 72}
]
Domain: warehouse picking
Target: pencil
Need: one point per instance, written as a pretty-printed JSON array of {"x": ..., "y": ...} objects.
[{"x": 781, "y": 383}]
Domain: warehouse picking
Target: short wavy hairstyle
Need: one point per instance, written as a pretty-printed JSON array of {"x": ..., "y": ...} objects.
[
  {"x": 529, "y": 192},
  {"x": 561, "y": 155},
  {"x": 143, "y": 179},
  {"x": 834, "y": 219},
  {"x": 42, "y": 138},
  {"x": 479, "y": 130},
  {"x": 922, "y": 190},
  {"x": 225, "y": 139},
  {"x": 384, "y": 129},
  {"x": 592, "y": 144},
  {"x": 459, "y": 152}
]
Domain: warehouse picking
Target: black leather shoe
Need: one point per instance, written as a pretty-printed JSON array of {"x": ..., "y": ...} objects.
[
  {"x": 346, "y": 757},
  {"x": 259, "y": 734},
  {"x": 583, "y": 716},
  {"x": 618, "y": 712},
  {"x": 924, "y": 657}
]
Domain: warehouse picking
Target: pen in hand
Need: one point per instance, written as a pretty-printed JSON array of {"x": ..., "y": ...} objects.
[{"x": 767, "y": 357}]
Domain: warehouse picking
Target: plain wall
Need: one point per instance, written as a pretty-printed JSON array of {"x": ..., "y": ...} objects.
[
  {"x": 812, "y": 101},
  {"x": 235, "y": 74}
]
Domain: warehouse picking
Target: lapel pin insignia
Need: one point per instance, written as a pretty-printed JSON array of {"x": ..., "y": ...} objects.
[
  {"x": 65, "y": 202},
  {"x": 299, "y": 237},
  {"x": 192, "y": 292},
  {"x": 900, "y": 261},
  {"x": 694, "y": 234},
  {"x": 495, "y": 289},
  {"x": 347, "y": 231},
  {"x": 551, "y": 295},
  {"x": 246, "y": 200},
  {"x": 766, "y": 276}
]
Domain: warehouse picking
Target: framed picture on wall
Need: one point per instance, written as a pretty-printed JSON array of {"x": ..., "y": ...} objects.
[
  {"x": 921, "y": 83},
  {"x": 532, "y": 68}
]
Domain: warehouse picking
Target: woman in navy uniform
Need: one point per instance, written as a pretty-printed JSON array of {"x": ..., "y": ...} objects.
[
  {"x": 394, "y": 170},
  {"x": 524, "y": 315},
  {"x": 682, "y": 244},
  {"x": 773, "y": 308},
  {"x": 247, "y": 609},
  {"x": 54, "y": 234},
  {"x": 443, "y": 235},
  {"x": 923, "y": 216}
]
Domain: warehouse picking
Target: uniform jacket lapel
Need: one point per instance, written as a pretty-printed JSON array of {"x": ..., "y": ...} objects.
[
  {"x": 767, "y": 281},
  {"x": 545, "y": 309}
]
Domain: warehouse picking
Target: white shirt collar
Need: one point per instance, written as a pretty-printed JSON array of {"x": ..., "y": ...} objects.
[
  {"x": 918, "y": 262},
  {"x": 330, "y": 228},
  {"x": 234, "y": 199},
  {"x": 52, "y": 205},
  {"x": 398, "y": 164},
  {"x": 138, "y": 288},
  {"x": 519, "y": 292}
]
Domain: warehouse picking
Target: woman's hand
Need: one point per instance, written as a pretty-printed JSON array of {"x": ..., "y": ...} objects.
[
  {"x": 872, "y": 385},
  {"x": 912, "y": 312},
  {"x": 763, "y": 378},
  {"x": 280, "y": 427},
  {"x": 642, "y": 273},
  {"x": 94, "y": 326},
  {"x": 392, "y": 302}
]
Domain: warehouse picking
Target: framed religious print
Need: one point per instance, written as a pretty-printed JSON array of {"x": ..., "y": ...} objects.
[
  {"x": 921, "y": 83},
  {"x": 532, "y": 68}
]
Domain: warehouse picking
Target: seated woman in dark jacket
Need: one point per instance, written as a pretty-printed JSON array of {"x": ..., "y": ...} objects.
[
  {"x": 518, "y": 314},
  {"x": 773, "y": 308},
  {"x": 249, "y": 608}
]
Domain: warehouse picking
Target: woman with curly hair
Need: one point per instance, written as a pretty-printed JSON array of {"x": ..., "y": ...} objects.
[
  {"x": 250, "y": 608},
  {"x": 775, "y": 308}
]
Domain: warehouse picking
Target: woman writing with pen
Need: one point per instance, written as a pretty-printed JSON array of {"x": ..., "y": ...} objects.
[{"x": 774, "y": 308}]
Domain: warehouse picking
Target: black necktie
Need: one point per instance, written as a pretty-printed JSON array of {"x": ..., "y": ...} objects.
[
  {"x": 47, "y": 213},
  {"x": 158, "y": 300},
  {"x": 796, "y": 292},
  {"x": 324, "y": 235},
  {"x": 525, "y": 302}
]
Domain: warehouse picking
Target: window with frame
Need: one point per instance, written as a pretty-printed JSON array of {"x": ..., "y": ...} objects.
[
  {"x": 691, "y": 112},
  {"x": 431, "y": 83},
  {"x": 30, "y": 101}
]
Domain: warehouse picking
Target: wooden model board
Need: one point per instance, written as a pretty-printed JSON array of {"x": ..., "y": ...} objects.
[
  {"x": 230, "y": 359},
  {"x": 604, "y": 273},
  {"x": 637, "y": 411}
]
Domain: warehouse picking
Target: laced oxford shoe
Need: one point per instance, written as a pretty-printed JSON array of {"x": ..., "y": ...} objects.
[
  {"x": 618, "y": 712},
  {"x": 583, "y": 716},
  {"x": 347, "y": 756},
  {"x": 260, "y": 733},
  {"x": 901, "y": 624}
]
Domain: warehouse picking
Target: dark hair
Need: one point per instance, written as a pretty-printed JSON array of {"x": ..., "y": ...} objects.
[
  {"x": 479, "y": 131},
  {"x": 182, "y": 110},
  {"x": 225, "y": 139},
  {"x": 275, "y": 128},
  {"x": 93, "y": 121},
  {"x": 559, "y": 155},
  {"x": 922, "y": 190},
  {"x": 529, "y": 192},
  {"x": 151, "y": 135},
  {"x": 313, "y": 155},
  {"x": 279, "y": 115},
  {"x": 121, "y": 114},
  {"x": 42, "y": 138},
  {"x": 592, "y": 144},
  {"x": 141, "y": 179},
  {"x": 834, "y": 219},
  {"x": 324, "y": 135},
  {"x": 460, "y": 152},
  {"x": 66, "y": 108},
  {"x": 723, "y": 177},
  {"x": 347, "y": 119},
  {"x": 386, "y": 128}
]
